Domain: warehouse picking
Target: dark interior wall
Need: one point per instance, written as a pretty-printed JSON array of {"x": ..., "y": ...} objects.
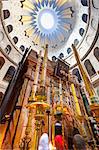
[{"x": 10, "y": 100}]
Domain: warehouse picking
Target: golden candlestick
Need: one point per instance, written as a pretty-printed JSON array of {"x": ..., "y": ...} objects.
[
  {"x": 53, "y": 111},
  {"x": 36, "y": 76},
  {"x": 76, "y": 100},
  {"x": 61, "y": 106},
  {"x": 44, "y": 66},
  {"x": 60, "y": 92},
  {"x": 86, "y": 80},
  {"x": 89, "y": 87}
]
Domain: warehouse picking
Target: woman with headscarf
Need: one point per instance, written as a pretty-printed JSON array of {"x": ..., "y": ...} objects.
[
  {"x": 43, "y": 142},
  {"x": 59, "y": 144},
  {"x": 79, "y": 142}
]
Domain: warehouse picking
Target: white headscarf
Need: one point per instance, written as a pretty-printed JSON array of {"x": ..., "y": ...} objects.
[{"x": 43, "y": 142}]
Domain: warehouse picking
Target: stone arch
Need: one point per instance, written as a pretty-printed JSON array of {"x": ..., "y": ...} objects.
[
  {"x": 69, "y": 50},
  {"x": 22, "y": 47},
  {"x": 84, "y": 2},
  {"x": 81, "y": 31},
  {"x": 76, "y": 72},
  {"x": 85, "y": 18},
  {"x": 10, "y": 28},
  {"x": 76, "y": 41},
  {"x": 90, "y": 69},
  {"x": 96, "y": 53},
  {"x": 8, "y": 76},
  {"x": 15, "y": 39},
  {"x": 6, "y": 14},
  {"x": 8, "y": 49}
]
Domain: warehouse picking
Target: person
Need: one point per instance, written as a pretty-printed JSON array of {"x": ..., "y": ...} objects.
[
  {"x": 59, "y": 144},
  {"x": 72, "y": 133},
  {"x": 44, "y": 142},
  {"x": 79, "y": 143}
]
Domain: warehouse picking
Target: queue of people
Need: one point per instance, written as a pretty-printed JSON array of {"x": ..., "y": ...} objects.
[
  {"x": 60, "y": 144},
  {"x": 75, "y": 141}
]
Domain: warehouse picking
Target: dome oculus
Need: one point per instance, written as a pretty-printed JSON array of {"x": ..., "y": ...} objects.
[{"x": 49, "y": 21}]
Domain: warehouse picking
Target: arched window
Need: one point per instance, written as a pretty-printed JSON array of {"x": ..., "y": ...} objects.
[
  {"x": 1, "y": 36},
  {"x": 76, "y": 72},
  {"x": 22, "y": 48},
  {"x": 9, "y": 28},
  {"x": 6, "y": 14},
  {"x": 2, "y": 61},
  {"x": 69, "y": 50},
  {"x": 96, "y": 53},
  {"x": 76, "y": 42},
  {"x": 61, "y": 56},
  {"x": 90, "y": 69},
  {"x": 1, "y": 97},
  {"x": 8, "y": 49},
  {"x": 81, "y": 31},
  {"x": 15, "y": 39},
  {"x": 84, "y": 2},
  {"x": 85, "y": 18},
  {"x": 9, "y": 73}
]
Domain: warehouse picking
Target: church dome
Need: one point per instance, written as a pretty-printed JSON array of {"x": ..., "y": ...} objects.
[
  {"x": 54, "y": 22},
  {"x": 58, "y": 23}
]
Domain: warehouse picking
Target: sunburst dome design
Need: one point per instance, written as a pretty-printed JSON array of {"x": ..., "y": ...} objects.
[{"x": 48, "y": 21}]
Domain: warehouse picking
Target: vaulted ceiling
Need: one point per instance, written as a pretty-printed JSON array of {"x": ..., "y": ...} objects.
[{"x": 58, "y": 23}]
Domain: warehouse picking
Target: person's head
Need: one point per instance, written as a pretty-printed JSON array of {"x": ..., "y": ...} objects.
[
  {"x": 75, "y": 131},
  {"x": 79, "y": 143}
]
